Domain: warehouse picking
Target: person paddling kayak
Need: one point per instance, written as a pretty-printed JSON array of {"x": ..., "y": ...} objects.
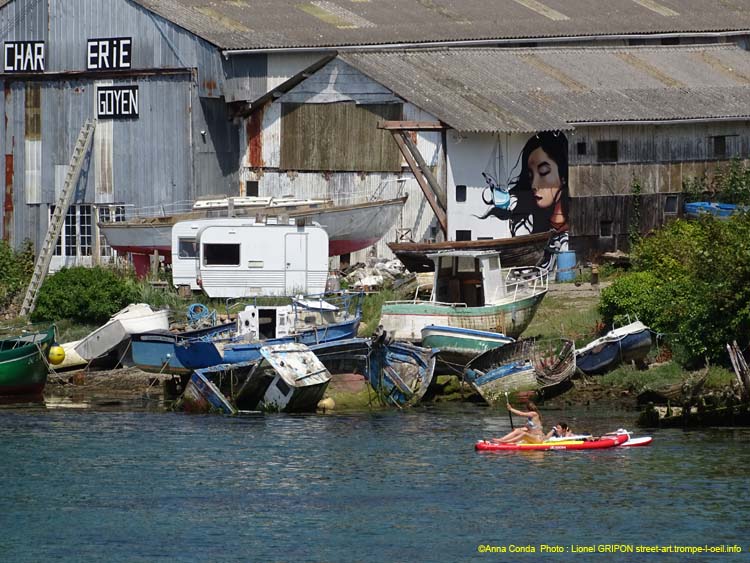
[{"x": 529, "y": 432}]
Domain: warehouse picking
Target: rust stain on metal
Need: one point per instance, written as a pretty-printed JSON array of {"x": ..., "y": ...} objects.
[
  {"x": 8, "y": 203},
  {"x": 649, "y": 69},
  {"x": 210, "y": 86},
  {"x": 717, "y": 64},
  {"x": 254, "y": 129},
  {"x": 554, "y": 72}
]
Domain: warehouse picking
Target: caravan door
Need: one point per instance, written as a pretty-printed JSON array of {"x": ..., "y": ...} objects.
[{"x": 295, "y": 253}]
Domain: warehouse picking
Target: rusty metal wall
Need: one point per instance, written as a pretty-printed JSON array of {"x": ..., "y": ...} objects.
[{"x": 181, "y": 145}]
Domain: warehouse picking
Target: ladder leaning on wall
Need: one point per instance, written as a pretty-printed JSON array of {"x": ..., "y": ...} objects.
[{"x": 58, "y": 216}]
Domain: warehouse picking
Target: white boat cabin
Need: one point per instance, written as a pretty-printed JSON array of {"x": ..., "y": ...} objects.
[
  {"x": 242, "y": 257},
  {"x": 472, "y": 278}
]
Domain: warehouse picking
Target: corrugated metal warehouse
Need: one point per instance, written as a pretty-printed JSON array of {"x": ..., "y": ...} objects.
[{"x": 178, "y": 87}]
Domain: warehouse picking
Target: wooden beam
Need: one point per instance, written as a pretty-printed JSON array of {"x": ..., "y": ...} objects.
[
  {"x": 427, "y": 189},
  {"x": 411, "y": 125},
  {"x": 429, "y": 176}
]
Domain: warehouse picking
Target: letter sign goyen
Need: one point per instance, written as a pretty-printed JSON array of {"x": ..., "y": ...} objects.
[
  {"x": 109, "y": 54},
  {"x": 23, "y": 56},
  {"x": 116, "y": 102}
]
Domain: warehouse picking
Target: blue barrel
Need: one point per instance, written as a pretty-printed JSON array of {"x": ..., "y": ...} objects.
[{"x": 566, "y": 266}]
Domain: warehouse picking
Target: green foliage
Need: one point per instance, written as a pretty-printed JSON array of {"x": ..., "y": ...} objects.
[
  {"x": 637, "y": 381},
  {"x": 733, "y": 183},
  {"x": 85, "y": 295},
  {"x": 730, "y": 184},
  {"x": 691, "y": 282},
  {"x": 371, "y": 307},
  {"x": 557, "y": 317},
  {"x": 696, "y": 188},
  {"x": 634, "y": 228},
  {"x": 626, "y": 377},
  {"x": 16, "y": 268}
]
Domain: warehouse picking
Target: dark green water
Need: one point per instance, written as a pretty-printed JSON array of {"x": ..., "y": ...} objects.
[{"x": 394, "y": 486}]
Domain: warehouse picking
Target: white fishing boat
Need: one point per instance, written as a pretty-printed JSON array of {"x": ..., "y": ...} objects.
[{"x": 133, "y": 319}]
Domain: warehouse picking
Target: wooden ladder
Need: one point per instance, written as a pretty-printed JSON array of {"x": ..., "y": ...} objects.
[{"x": 58, "y": 215}]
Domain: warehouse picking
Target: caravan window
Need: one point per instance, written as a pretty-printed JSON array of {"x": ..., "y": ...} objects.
[
  {"x": 188, "y": 248},
  {"x": 221, "y": 254}
]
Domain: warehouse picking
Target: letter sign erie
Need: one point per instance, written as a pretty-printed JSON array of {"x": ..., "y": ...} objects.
[
  {"x": 109, "y": 54},
  {"x": 23, "y": 56},
  {"x": 116, "y": 102}
]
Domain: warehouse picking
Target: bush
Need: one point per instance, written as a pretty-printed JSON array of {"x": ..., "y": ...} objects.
[
  {"x": 691, "y": 284},
  {"x": 16, "y": 268},
  {"x": 84, "y": 295}
]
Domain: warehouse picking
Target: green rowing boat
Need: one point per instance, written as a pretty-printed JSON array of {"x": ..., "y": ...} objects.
[{"x": 23, "y": 363}]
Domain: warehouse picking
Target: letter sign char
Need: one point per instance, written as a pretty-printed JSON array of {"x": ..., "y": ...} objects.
[
  {"x": 23, "y": 56},
  {"x": 113, "y": 53}
]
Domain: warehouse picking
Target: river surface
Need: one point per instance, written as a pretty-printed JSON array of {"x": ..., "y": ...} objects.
[{"x": 113, "y": 485}]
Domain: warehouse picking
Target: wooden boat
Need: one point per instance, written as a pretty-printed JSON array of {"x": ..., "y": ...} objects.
[
  {"x": 401, "y": 374},
  {"x": 523, "y": 250},
  {"x": 544, "y": 368},
  {"x": 350, "y": 227},
  {"x": 133, "y": 319},
  {"x": 470, "y": 290},
  {"x": 629, "y": 343},
  {"x": 308, "y": 321},
  {"x": 23, "y": 363},
  {"x": 460, "y": 345}
]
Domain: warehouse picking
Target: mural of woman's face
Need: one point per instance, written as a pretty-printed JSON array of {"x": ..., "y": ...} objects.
[{"x": 544, "y": 178}]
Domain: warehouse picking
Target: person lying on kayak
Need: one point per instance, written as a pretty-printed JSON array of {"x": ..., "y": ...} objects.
[
  {"x": 529, "y": 432},
  {"x": 560, "y": 430}
]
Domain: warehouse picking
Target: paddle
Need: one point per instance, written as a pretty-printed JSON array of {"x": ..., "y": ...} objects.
[{"x": 510, "y": 415}]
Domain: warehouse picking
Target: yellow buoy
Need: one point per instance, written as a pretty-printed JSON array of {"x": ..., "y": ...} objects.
[{"x": 56, "y": 355}]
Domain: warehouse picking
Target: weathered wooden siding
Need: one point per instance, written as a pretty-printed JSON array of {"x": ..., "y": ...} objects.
[
  {"x": 587, "y": 214},
  {"x": 338, "y": 137},
  {"x": 661, "y": 157}
]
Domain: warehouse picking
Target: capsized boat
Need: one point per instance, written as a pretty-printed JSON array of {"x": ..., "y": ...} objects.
[
  {"x": 470, "y": 290},
  {"x": 286, "y": 378},
  {"x": 201, "y": 395},
  {"x": 23, "y": 362},
  {"x": 608, "y": 441},
  {"x": 625, "y": 344},
  {"x": 458, "y": 345},
  {"x": 133, "y": 319},
  {"x": 350, "y": 227},
  {"x": 543, "y": 367},
  {"x": 401, "y": 374}
]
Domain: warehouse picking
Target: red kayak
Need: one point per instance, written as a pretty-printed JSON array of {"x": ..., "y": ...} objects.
[{"x": 603, "y": 442}]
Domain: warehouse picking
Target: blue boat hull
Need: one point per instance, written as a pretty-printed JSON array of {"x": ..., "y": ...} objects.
[
  {"x": 155, "y": 351},
  {"x": 401, "y": 374},
  {"x": 632, "y": 348},
  {"x": 199, "y": 354}
]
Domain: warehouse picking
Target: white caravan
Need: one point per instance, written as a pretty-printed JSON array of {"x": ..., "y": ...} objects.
[{"x": 241, "y": 257}]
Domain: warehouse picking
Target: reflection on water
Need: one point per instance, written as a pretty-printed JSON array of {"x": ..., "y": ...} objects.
[{"x": 388, "y": 486}]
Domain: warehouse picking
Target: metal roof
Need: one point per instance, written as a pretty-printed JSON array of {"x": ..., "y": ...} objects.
[
  {"x": 284, "y": 24},
  {"x": 527, "y": 90}
]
